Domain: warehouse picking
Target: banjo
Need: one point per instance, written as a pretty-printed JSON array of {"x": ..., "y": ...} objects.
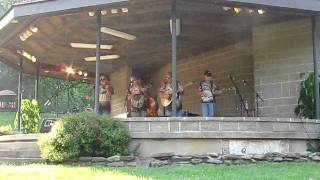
[{"x": 208, "y": 95}]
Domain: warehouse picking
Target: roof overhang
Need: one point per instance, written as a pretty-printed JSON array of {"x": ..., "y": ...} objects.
[
  {"x": 204, "y": 26},
  {"x": 304, "y": 5}
]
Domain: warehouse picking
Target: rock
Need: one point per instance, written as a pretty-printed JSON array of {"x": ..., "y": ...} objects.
[
  {"x": 247, "y": 157},
  {"x": 292, "y": 155},
  {"x": 301, "y": 160},
  {"x": 196, "y": 161},
  {"x": 85, "y": 159},
  {"x": 231, "y": 157},
  {"x": 228, "y": 162},
  {"x": 163, "y": 156},
  {"x": 113, "y": 158},
  {"x": 315, "y": 158},
  {"x": 99, "y": 159},
  {"x": 200, "y": 156},
  {"x": 305, "y": 154},
  {"x": 116, "y": 164},
  {"x": 143, "y": 162},
  {"x": 127, "y": 158},
  {"x": 277, "y": 159},
  {"x": 155, "y": 163},
  {"x": 99, "y": 163},
  {"x": 288, "y": 159},
  {"x": 239, "y": 161},
  {"x": 132, "y": 164},
  {"x": 180, "y": 158},
  {"x": 259, "y": 157},
  {"x": 214, "y": 161},
  {"x": 213, "y": 155},
  {"x": 274, "y": 154}
]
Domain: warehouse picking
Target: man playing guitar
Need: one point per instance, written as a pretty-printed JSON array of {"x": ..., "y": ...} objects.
[
  {"x": 208, "y": 91},
  {"x": 166, "y": 91}
]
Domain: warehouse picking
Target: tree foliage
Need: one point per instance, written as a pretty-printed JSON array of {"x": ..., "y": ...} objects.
[
  {"x": 30, "y": 116},
  {"x": 306, "y": 104}
]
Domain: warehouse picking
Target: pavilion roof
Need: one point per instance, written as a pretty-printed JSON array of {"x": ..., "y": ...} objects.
[{"x": 204, "y": 25}]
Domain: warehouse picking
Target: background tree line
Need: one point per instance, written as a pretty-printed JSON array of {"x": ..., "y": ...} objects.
[{"x": 69, "y": 94}]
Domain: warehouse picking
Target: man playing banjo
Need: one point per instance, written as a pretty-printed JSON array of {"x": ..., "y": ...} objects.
[{"x": 208, "y": 91}]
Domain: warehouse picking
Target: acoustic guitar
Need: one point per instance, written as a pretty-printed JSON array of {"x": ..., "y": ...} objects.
[{"x": 165, "y": 102}]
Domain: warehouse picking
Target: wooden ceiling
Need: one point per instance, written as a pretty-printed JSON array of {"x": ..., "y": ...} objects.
[{"x": 204, "y": 26}]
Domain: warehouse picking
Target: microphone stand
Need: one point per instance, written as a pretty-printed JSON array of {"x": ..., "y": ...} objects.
[
  {"x": 242, "y": 104},
  {"x": 257, "y": 95}
]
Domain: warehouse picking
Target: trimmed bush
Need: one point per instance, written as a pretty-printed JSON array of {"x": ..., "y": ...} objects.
[{"x": 84, "y": 134}]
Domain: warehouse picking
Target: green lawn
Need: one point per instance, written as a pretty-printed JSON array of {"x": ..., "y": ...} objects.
[
  {"x": 6, "y": 117},
  {"x": 285, "y": 171}
]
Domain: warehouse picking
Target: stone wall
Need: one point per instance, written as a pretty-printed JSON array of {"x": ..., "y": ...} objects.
[
  {"x": 198, "y": 135},
  {"x": 171, "y": 159},
  {"x": 235, "y": 60},
  {"x": 119, "y": 81},
  {"x": 282, "y": 58}
]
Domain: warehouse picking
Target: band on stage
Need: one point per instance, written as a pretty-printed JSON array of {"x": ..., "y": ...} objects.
[{"x": 140, "y": 102}]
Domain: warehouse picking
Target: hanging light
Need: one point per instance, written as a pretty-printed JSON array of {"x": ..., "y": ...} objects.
[
  {"x": 91, "y": 13},
  {"x": 80, "y": 73},
  {"x": 237, "y": 10},
  {"x": 260, "y": 11}
]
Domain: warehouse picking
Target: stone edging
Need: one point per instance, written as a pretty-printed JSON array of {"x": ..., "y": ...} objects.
[{"x": 169, "y": 159}]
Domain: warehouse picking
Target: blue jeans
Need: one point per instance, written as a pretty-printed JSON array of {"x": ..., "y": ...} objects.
[
  {"x": 169, "y": 113},
  {"x": 208, "y": 109}
]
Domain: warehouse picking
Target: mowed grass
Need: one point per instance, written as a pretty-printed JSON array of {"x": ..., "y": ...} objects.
[
  {"x": 285, "y": 171},
  {"x": 6, "y": 117}
]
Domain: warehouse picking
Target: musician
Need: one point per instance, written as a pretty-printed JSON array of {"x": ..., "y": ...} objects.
[
  {"x": 105, "y": 93},
  {"x": 166, "y": 91},
  {"x": 207, "y": 91},
  {"x": 137, "y": 99}
]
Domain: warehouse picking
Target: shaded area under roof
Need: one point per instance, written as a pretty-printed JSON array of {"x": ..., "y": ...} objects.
[{"x": 204, "y": 25}]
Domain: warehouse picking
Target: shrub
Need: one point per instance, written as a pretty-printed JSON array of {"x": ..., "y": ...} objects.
[
  {"x": 30, "y": 116},
  {"x": 306, "y": 104},
  {"x": 84, "y": 134}
]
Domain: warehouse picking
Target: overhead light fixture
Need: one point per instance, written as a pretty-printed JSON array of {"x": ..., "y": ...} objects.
[
  {"x": 118, "y": 33},
  {"x": 124, "y": 10},
  {"x": 34, "y": 29},
  {"x": 106, "y": 57},
  {"x": 250, "y": 11},
  {"x": 91, "y": 13},
  {"x": 46, "y": 71},
  {"x": 260, "y": 11},
  {"x": 14, "y": 21},
  {"x": 80, "y": 73},
  {"x": 70, "y": 70},
  {"x": 85, "y": 74},
  {"x": 27, "y": 33},
  {"x": 226, "y": 8},
  {"x": 27, "y": 55},
  {"x": 114, "y": 11},
  {"x": 90, "y": 46},
  {"x": 237, "y": 10},
  {"x": 104, "y": 12}
]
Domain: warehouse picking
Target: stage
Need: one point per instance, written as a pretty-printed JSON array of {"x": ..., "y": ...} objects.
[{"x": 226, "y": 135}]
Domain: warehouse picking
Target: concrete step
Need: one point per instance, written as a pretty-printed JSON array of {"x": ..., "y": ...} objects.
[
  {"x": 19, "y": 161},
  {"x": 19, "y": 146},
  {"x": 20, "y": 154}
]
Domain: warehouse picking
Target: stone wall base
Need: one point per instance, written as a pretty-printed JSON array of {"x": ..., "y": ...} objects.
[{"x": 170, "y": 159}]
